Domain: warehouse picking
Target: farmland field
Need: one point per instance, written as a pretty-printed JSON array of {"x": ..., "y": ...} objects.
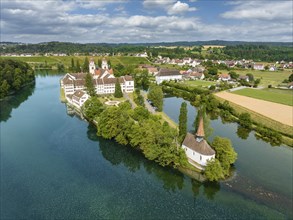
[
  {"x": 66, "y": 60},
  {"x": 278, "y": 112},
  {"x": 272, "y": 95},
  {"x": 267, "y": 77}
]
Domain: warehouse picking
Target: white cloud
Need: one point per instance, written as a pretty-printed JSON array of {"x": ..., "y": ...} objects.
[
  {"x": 263, "y": 10},
  {"x": 97, "y": 4},
  {"x": 179, "y": 8},
  {"x": 39, "y": 21},
  {"x": 158, "y": 3}
]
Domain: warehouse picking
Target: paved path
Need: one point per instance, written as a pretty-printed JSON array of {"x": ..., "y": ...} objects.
[
  {"x": 146, "y": 103},
  {"x": 237, "y": 88},
  {"x": 275, "y": 111},
  {"x": 133, "y": 105}
]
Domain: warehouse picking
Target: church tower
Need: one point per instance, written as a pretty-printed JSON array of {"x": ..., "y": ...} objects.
[
  {"x": 105, "y": 64},
  {"x": 200, "y": 131},
  {"x": 92, "y": 66}
]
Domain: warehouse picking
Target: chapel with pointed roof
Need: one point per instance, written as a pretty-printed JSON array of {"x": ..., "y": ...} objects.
[{"x": 197, "y": 149}]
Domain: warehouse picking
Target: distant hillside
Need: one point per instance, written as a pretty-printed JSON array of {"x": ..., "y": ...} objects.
[{"x": 260, "y": 51}]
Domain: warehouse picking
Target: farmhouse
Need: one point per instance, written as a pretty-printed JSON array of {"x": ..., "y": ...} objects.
[
  {"x": 167, "y": 75},
  {"x": 197, "y": 150}
]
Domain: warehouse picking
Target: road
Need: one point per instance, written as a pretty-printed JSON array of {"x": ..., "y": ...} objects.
[{"x": 146, "y": 103}]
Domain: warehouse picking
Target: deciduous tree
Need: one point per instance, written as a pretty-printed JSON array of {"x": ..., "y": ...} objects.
[{"x": 118, "y": 92}]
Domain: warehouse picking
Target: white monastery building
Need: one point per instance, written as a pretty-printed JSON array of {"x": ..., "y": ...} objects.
[
  {"x": 197, "y": 150},
  {"x": 167, "y": 75},
  {"x": 103, "y": 80}
]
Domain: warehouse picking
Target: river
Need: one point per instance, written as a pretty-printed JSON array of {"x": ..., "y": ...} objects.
[{"x": 53, "y": 166}]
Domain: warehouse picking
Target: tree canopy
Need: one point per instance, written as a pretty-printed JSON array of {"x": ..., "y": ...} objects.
[
  {"x": 14, "y": 75},
  {"x": 156, "y": 96},
  {"x": 89, "y": 85},
  {"x": 183, "y": 121},
  {"x": 225, "y": 153},
  {"x": 118, "y": 92}
]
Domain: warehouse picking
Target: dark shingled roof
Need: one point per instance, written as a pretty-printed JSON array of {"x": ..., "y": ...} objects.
[
  {"x": 168, "y": 72},
  {"x": 79, "y": 93},
  {"x": 67, "y": 80},
  {"x": 128, "y": 78},
  {"x": 201, "y": 147}
]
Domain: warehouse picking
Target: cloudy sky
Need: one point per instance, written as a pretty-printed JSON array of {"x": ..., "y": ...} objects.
[{"x": 133, "y": 21}]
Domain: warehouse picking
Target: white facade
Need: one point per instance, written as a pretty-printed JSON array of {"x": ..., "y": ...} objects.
[
  {"x": 92, "y": 67},
  {"x": 79, "y": 101},
  {"x": 105, "y": 65},
  {"x": 197, "y": 157},
  {"x": 160, "y": 79},
  {"x": 258, "y": 67}
]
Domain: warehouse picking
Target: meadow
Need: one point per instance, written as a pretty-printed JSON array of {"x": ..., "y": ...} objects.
[
  {"x": 267, "y": 77},
  {"x": 66, "y": 60},
  {"x": 199, "y": 83},
  {"x": 272, "y": 95}
]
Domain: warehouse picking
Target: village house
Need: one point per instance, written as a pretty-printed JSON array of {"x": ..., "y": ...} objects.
[
  {"x": 79, "y": 97},
  {"x": 258, "y": 67},
  {"x": 167, "y": 75},
  {"x": 273, "y": 68},
  {"x": 243, "y": 77},
  {"x": 196, "y": 148},
  {"x": 103, "y": 80},
  {"x": 224, "y": 77},
  {"x": 151, "y": 69}
]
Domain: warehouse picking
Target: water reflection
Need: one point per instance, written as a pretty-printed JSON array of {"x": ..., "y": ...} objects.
[
  {"x": 14, "y": 101},
  {"x": 211, "y": 189},
  {"x": 242, "y": 132},
  {"x": 45, "y": 73}
]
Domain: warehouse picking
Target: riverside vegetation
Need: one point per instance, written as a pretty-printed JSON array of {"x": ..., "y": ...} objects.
[
  {"x": 200, "y": 96},
  {"x": 151, "y": 135},
  {"x": 13, "y": 76}
]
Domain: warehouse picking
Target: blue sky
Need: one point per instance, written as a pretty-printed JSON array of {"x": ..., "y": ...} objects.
[{"x": 134, "y": 21}]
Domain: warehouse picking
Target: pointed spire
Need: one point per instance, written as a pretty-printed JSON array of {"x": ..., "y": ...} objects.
[{"x": 200, "y": 129}]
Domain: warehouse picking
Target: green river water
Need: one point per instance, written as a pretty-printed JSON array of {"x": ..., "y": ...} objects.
[{"x": 53, "y": 166}]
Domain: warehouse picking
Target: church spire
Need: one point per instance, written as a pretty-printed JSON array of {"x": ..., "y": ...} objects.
[{"x": 200, "y": 130}]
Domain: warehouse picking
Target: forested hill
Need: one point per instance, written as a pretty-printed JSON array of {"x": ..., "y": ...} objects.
[
  {"x": 258, "y": 51},
  {"x": 14, "y": 75}
]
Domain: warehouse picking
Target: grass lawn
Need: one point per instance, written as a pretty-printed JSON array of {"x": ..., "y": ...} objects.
[
  {"x": 199, "y": 83},
  {"x": 273, "y": 95},
  {"x": 167, "y": 119},
  {"x": 62, "y": 96}
]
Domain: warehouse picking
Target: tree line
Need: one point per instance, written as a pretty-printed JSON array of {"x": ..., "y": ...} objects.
[
  {"x": 255, "y": 51},
  {"x": 13, "y": 76}
]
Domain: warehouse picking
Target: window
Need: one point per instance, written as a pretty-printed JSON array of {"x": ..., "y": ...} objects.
[
  {"x": 200, "y": 157},
  {"x": 193, "y": 153}
]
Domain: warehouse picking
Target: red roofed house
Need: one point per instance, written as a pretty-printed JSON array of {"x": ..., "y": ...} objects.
[
  {"x": 197, "y": 150},
  {"x": 224, "y": 77}
]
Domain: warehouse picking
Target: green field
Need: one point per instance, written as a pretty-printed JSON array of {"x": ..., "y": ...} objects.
[
  {"x": 124, "y": 60},
  {"x": 273, "y": 95},
  {"x": 199, "y": 83},
  {"x": 267, "y": 77}
]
